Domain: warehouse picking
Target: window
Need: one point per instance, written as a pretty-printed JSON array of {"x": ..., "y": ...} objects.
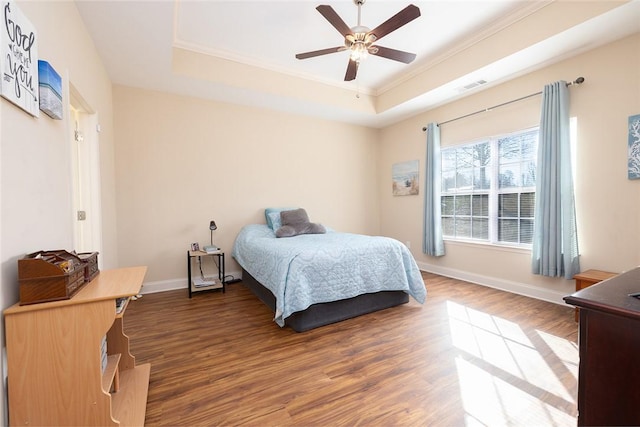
[{"x": 488, "y": 189}]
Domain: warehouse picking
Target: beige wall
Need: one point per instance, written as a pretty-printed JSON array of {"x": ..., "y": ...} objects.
[
  {"x": 607, "y": 202},
  {"x": 35, "y": 160},
  {"x": 181, "y": 162}
]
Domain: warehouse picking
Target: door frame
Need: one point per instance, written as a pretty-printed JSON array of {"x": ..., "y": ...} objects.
[{"x": 86, "y": 182}]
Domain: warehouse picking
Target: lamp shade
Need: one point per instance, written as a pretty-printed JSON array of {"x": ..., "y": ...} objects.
[{"x": 213, "y": 226}]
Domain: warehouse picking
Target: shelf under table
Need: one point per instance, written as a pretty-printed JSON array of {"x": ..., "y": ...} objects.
[{"x": 129, "y": 405}]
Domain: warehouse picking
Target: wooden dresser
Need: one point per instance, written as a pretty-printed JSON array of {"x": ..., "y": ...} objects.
[
  {"x": 69, "y": 362},
  {"x": 609, "y": 373}
]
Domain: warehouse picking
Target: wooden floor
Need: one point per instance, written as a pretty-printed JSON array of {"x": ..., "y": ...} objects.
[{"x": 469, "y": 356}]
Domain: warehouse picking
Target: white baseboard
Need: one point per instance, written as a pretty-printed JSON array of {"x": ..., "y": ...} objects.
[
  {"x": 493, "y": 282},
  {"x": 174, "y": 284},
  {"x": 163, "y": 286}
]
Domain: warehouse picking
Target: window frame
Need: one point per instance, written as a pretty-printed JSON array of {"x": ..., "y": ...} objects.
[{"x": 494, "y": 195}]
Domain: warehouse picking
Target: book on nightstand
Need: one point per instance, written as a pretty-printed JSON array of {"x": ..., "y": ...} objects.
[{"x": 201, "y": 282}]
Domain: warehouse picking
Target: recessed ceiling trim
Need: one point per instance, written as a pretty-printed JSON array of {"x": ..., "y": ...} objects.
[
  {"x": 521, "y": 13},
  {"x": 231, "y": 56}
]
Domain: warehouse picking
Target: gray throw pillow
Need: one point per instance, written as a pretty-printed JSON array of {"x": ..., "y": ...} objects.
[
  {"x": 296, "y": 222},
  {"x": 294, "y": 216}
]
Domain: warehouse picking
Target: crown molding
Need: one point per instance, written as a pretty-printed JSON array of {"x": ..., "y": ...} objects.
[{"x": 265, "y": 65}]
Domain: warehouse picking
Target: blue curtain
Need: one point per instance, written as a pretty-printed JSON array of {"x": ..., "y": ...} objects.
[
  {"x": 432, "y": 243},
  {"x": 555, "y": 238}
]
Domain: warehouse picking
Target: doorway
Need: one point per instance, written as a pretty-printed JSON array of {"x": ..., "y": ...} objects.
[{"x": 85, "y": 160}]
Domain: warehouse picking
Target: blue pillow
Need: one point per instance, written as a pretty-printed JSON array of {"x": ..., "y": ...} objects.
[
  {"x": 275, "y": 220},
  {"x": 272, "y": 216}
]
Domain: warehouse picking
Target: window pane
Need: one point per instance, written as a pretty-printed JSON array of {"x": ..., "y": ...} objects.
[
  {"x": 480, "y": 228},
  {"x": 527, "y": 205},
  {"x": 526, "y": 231},
  {"x": 509, "y": 175},
  {"x": 480, "y": 205},
  {"x": 529, "y": 149},
  {"x": 463, "y": 205},
  {"x": 529, "y": 173},
  {"x": 508, "y": 205},
  {"x": 448, "y": 159},
  {"x": 448, "y": 227},
  {"x": 464, "y": 179},
  {"x": 508, "y": 149},
  {"x": 463, "y": 227},
  {"x": 465, "y": 157},
  {"x": 448, "y": 180},
  {"x": 482, "y": 155},
  {"x": 447, "y": 205},
  {"x": 530, "y": 144},
  {"x": 482, "y": 179},
  {"x": 508, "y": 230}
]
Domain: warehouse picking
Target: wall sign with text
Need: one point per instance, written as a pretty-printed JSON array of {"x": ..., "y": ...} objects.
[{"x": 19, "y": 59}]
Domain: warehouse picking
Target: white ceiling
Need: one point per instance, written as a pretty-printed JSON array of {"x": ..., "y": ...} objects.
[{"x": 250, "y": 42}]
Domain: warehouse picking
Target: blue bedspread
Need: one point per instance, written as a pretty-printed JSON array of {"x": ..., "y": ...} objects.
[{"x": 314, "y": 268}]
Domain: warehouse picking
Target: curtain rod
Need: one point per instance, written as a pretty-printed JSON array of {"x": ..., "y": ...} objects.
[{"x": 577, "y": 81}]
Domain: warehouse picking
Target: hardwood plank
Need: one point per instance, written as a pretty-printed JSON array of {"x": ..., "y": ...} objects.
[{"x": 470, "y": 354}]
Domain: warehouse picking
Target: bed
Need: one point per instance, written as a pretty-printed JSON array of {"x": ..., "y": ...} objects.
[{"x": 311, "y": 280}]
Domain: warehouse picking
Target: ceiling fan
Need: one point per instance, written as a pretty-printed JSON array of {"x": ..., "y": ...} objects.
[{"x": 360, "y": 39}]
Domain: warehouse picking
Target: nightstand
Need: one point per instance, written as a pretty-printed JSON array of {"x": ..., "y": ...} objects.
[
  {"x": 588, "y": 278},
  {"x": 202, "y": 285}
]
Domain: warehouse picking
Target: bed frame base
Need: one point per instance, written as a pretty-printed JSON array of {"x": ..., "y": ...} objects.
[{"x": 330, "y": 312}]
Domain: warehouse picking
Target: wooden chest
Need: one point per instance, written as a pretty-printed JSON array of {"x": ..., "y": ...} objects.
[
  {"x": 49, "y": 276},
  {"x": 90, "y": 260}
]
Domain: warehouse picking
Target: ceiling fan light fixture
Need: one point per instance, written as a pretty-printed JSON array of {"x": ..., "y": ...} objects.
[
  {"x": 359, "y": 43},
  {"x": 359, "y": 51}
]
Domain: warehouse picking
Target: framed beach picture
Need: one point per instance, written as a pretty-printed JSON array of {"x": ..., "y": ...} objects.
[
  {"x": 634, "y": 147},
  {"x": 50, "y": 90},
  {"x": 405, "y": 180}
]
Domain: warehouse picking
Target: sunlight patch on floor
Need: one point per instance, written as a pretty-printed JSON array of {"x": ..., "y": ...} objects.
[
  {"x": 504, "y": 370},
  {"x": 566, "y": 350},
  {"x": 491, "y": 401}
]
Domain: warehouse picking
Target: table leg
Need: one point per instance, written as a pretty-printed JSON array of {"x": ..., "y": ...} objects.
[{"x": 189, "y": 273}]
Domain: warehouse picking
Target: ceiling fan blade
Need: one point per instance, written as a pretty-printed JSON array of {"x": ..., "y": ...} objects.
[
  {"x": 401, "y": 18},
  {"x": 311, "y": 54},
  {"x": 396, "y": 55},
  {"x": 334, "y": 19},
  {"x": 352, "y": 70}
]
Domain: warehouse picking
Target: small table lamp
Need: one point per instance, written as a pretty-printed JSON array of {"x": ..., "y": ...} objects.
[{"x": 212, "y": 247}]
